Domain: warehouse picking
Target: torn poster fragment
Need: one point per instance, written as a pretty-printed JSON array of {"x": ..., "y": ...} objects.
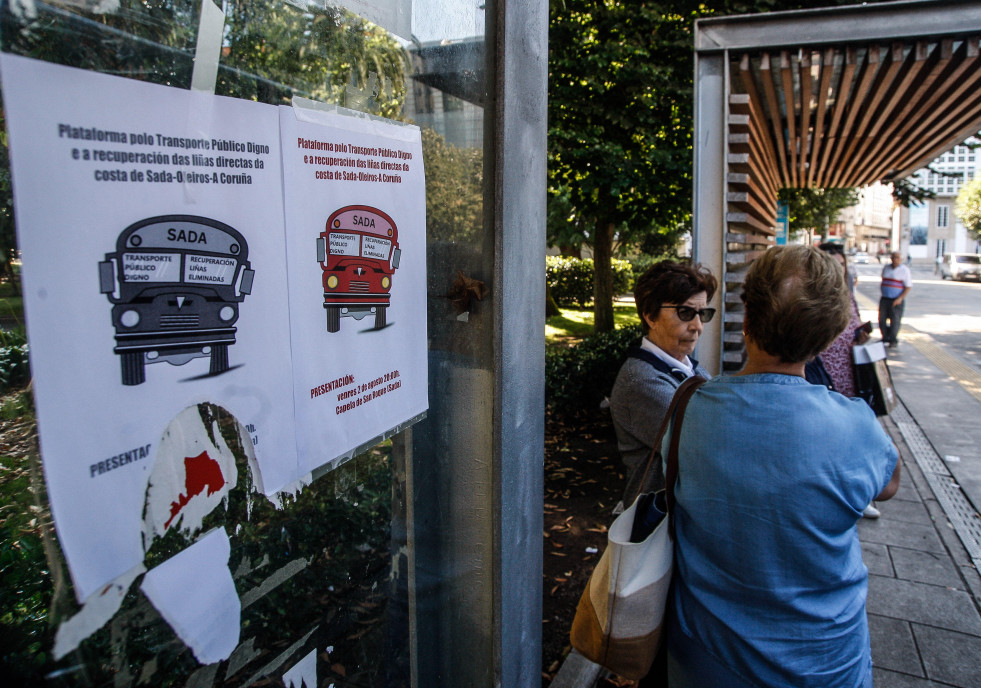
[{"x": 195, "y": 594}]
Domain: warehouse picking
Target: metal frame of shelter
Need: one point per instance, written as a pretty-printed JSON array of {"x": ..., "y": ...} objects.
[{"x": 838, "y": 97}]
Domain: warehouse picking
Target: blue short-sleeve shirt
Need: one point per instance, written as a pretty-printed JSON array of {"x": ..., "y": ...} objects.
[{"x": 773, "y": 476}]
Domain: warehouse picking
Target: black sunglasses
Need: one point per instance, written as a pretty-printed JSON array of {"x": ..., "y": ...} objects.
[{"x": 687, "y": 313}]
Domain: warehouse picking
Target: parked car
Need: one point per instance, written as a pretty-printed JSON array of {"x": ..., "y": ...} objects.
[
  {"x": 861, "y": 257},
  {"x": 961, "y": 266}
]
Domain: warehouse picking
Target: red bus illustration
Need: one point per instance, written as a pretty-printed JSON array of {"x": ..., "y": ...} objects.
[
  {"x": 358, "y": 253},
  {"x": 175, "y": 282}
]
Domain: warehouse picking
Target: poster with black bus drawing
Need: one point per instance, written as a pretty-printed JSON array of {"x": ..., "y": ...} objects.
[{"x": 150, "y": 220}]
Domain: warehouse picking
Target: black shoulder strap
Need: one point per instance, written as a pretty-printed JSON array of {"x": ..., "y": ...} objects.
[{"x": 659, "y": 365}]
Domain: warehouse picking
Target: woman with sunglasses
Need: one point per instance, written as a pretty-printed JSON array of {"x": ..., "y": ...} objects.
[
  {"x": 672, "y": 301},
  {"x": 769, "y": 587}
]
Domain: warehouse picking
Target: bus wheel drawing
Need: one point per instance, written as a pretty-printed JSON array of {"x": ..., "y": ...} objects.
[
  {"x": 132, "y": 368},
  {"x": 333, "y": 318},
  {"x": 359, "y": 254},
  {"x": 219, "y": 359},
  {"x": 175, "y": 282}
]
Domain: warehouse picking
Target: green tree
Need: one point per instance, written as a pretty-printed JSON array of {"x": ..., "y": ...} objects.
[
  {"x": 563, "y": 225},
  {"x": 967, "y": 207},
  {"x": 815, "y": 210},
  {"x": 273, "y": 51},
  {"x": 620, "y": 91},
  {"x": 906, "y": 193},
  {"x": 620, "y": 118},
  {"x": 454, "y": 188}
]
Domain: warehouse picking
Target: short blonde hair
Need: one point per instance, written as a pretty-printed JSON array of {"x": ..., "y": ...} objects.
[{"x": 796, "y": 302}]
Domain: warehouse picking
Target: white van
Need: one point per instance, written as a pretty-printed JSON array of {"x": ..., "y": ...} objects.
[{"x": 961, "y": 266}]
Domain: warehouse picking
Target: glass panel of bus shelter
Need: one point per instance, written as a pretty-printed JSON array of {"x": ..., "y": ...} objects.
[{"x": 378, "y": 573}]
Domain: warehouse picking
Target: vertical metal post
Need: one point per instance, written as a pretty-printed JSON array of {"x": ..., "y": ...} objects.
[
  {"x": 521, "y": 49},
  {"x": 708, "y": 213}
]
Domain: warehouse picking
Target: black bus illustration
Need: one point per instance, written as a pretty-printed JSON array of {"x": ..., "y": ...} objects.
[
  {"x": 175, "y": 282},
  {"x": 358, "y": 253}
]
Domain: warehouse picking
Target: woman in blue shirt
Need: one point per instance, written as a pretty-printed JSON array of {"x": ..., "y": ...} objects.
[{"x": 773, "y": 476}]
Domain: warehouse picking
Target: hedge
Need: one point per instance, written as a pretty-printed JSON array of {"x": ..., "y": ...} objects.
[
  {"x": 577, "y": 379},
  {"x": 571, "y": 279},
  {"x": 15, "y": 371}
]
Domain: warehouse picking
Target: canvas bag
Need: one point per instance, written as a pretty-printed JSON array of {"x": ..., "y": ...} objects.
[{"x": 619, "y": 620}]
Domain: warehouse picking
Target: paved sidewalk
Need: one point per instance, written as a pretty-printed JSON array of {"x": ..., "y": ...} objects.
[
  {"x": 923, "y": 586},
  {"x": 924, "y": 552}
]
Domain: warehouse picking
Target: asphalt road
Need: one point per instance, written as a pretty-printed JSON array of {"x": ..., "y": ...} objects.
[
  {"x": 937, "y": 370},
  {"x": 950, "y": 312}
]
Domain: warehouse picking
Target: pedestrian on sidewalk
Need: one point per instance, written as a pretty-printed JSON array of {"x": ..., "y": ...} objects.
[
  {"x": 769, "y": 586},
  {"x": 897, "y": 280},
  {"x": 672, "y": 300}
]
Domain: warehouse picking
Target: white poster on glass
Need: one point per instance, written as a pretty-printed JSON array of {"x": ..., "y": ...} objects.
[
  {"x": 150, "y": 221},
  {"x": 356, "y": 249}
]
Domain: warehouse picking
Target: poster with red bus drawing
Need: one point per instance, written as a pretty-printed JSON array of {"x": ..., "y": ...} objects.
[{"x": 355, "y": 190}]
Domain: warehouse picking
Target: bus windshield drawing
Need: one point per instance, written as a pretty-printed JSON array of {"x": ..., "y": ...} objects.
[
  {"x": 358, "y": 253},
  {"x": 175, "y": 282}
]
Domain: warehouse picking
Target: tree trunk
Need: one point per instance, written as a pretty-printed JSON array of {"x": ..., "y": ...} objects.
[
  {"x": 603, "y": 277},
  {"x": 551, "y": 308}
]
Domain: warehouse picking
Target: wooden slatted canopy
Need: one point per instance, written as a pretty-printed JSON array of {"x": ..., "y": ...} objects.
[
  {"x": 841, "y": 97},
  {"x": 847, "y": 116}
]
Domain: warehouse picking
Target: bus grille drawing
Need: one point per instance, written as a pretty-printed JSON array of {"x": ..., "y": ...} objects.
[
  {"x": 175, "y": 282},
  {"x": 358, "y": 253}
]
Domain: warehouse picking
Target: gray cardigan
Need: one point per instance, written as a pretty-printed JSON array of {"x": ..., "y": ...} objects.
[{"x": 640, "y": 398}]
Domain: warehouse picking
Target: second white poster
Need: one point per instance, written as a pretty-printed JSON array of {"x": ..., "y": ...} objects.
[{"x": 356, "y": 250}]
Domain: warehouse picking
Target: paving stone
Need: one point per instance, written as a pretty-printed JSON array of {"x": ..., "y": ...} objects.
[
  {"x": 885, "y": 531},
  {"x": 876, "y": 558},
  {"x": 953, "y": 658},
  {"x": 883, "y": 678},
  {"x": 893, "y": 646},
  {"x": 907, "y": 491},
  {"x": 925, "y": 567},
  {"x": 905, "y": 510},
  {"x": 922, "y": 603}
]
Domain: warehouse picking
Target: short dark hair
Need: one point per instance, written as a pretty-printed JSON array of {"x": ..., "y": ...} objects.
[
  {"x": 670, "y": 282},
  {"x": 796, "y": 302}
]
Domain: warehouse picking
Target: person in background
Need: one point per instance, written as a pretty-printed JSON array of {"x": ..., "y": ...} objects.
[
  {"x": 672, "y": 302},
  {"x": 769, "y": 587},
  {"x": 897, "y": 280},
  {"x": 837, "y": 360}
]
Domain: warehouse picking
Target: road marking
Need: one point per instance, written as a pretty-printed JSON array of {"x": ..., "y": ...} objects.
[{"x": 963, "y": 374}]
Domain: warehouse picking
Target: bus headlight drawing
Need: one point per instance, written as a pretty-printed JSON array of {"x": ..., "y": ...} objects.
[
  {"x": 175, "y": 282},
  {"x": 358, "y": 253}
]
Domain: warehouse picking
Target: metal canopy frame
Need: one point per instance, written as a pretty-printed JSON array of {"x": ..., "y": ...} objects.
[{"x": 826, "y": 98}]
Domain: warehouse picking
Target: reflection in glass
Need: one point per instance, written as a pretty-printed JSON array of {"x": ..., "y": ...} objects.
[{"x": 383, "y": 565}]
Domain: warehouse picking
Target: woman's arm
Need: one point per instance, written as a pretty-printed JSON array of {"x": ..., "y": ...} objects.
[{"x": 893, "y": 486}]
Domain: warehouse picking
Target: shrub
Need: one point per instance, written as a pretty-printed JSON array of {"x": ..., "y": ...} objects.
[
  {"x": 577, "y": 379},
  {"x": 571, "y": 279},
  {"x": 15, "y": 371}
]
